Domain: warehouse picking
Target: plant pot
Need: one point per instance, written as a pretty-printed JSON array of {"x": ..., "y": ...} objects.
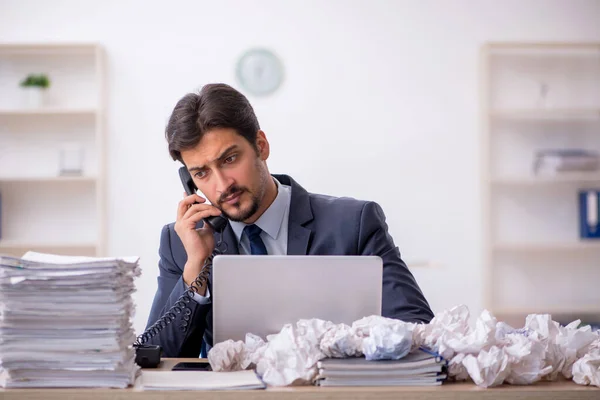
[{"x": 34, "y": 97}]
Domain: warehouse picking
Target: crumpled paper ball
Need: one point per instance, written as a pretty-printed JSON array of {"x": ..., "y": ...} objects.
[
  {"x": 384, "y": 338},
  {"x": 450, "y": 333},
  {"x": 526, "y": 359},
  {"x": 563, "y": 345},
  {"x": 488, "y": 368},
  {"x": 227, "y": 356},
  {"x": 290, "y": 357},
  {"x": 586, "y": 370},
  {"x": 340, "y": 342},
  {"x": 236, "y": 355},
  {"x": 388, "y": 342}
]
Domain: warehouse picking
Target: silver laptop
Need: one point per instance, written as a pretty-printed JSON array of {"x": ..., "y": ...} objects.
[{"x": 260, "y": 294}]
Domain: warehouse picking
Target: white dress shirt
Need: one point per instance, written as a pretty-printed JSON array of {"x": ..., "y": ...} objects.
[{"x": 274, "y": 225}]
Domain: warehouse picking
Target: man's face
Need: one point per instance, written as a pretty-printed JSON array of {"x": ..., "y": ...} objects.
[{"x": 230, "y": 172}]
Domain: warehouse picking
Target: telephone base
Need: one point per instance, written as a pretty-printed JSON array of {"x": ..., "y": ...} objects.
[{"x": 147, "y": 356}]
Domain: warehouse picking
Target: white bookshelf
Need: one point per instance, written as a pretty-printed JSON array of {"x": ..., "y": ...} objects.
[
  {"x": 535, "y": 261},
  {"x": 42, "y": 210}
]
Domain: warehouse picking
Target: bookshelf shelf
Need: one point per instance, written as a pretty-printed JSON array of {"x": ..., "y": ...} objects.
[
  {"x": 35, "y": 49},
  {"x": 17, "y": 244},
  {"x": 565, "y": 178},
  {"x": 516, "y": 317},
  {"x": 555, "y": 310},
  {"x": 548, "y": 247},
  {"x": 39, "y": 179},
  {"x": 547, "y": 114},
  {"x": 48, "y": 111},
  {"x": 18, "y": 248}
]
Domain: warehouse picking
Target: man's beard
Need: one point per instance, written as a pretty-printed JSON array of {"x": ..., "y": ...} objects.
[{"x": 254, "y": 204}]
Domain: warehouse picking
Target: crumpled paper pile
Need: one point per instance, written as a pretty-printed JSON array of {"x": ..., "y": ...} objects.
[
  {"x": 490, "y": 353},
  {"x": 290, "y": 356}
]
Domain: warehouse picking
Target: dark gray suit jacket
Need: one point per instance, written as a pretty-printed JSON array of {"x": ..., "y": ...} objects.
[{"x": 318, "y": 225}]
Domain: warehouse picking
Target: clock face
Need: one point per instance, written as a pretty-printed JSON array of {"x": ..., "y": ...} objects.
[{"x": 259, "y": 71}]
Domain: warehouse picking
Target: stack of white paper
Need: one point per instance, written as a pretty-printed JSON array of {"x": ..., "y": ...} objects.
[
  {"x": 419, "y": 368},
  {"x": 66, "y": 321},
  {"x": 200, "y": 380}
]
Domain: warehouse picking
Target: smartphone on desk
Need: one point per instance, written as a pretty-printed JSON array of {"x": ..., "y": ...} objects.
[
  {"x": 192, "y": 366},
  {"x": 217, "y": 223}
]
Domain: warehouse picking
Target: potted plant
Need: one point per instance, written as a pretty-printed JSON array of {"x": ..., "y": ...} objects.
[{"x": 35, "y": 86}]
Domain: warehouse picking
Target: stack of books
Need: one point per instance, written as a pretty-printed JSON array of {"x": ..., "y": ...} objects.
[
  {"x": 66, "y": 321},
  {"x": 419, "y": 368}
]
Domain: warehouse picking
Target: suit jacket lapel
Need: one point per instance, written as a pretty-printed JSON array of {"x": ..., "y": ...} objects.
[
  {"x": 299, "y": 235},
  {"x": 298, "y": 239}
]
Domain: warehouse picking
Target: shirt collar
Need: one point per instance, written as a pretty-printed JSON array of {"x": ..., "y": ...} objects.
[{"x": 270, "y": 220}]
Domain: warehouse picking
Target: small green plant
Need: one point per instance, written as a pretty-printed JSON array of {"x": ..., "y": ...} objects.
[{"x": 33, "y": 80}]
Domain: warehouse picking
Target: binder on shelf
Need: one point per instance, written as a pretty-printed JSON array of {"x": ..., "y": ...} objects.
[{"x": 589, "y": 209}]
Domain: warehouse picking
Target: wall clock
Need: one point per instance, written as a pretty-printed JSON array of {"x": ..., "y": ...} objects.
[{"x": 259, "y": 71}]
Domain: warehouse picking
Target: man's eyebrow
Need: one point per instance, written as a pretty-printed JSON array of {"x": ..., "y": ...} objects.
[{"x": 219, "y": 158}]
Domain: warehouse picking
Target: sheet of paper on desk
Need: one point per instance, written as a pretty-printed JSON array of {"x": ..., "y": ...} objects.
[{"x": 200, "y": 380}]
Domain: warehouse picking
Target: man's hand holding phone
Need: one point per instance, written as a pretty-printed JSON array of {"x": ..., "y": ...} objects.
[{"x": 198, "y": 243}]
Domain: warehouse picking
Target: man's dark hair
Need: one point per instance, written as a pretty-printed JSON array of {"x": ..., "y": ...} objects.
[{"x": 216, "y": 106}]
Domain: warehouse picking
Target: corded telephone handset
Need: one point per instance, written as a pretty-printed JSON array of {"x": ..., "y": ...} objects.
[
  {"x": 148, "y": 356},
  {"x": 217, "y": 223}
]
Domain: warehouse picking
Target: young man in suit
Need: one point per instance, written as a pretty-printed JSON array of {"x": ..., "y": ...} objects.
[{"x": 216, "y": 135}]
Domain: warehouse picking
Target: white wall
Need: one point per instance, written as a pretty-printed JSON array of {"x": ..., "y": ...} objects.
[{"x": 380, "y": 102}]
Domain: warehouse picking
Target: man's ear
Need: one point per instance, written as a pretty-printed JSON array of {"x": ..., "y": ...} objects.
[{"x": 262, "y": 145}]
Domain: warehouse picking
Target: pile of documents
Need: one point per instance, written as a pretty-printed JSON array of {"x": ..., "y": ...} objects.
[
  {"x": 419, "y": 368},
  {"x": 66, "y": 321},
  {"x": 556, "y": 161}
]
